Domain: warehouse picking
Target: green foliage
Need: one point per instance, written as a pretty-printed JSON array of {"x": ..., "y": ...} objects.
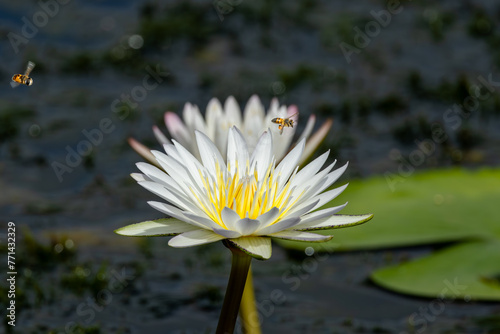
[
  {"x": 411, "y": 129},
  {"x": 297, "y": 76},
  {"x": 11, "y": 118},
  {"x": 80, "y": 63},
  {"x": 81, "y": 279},
  {"x": 437, "y": 22},
  {"x": 341, "y": 29},
  {"x": 481, "y": 25},
  {"x": 391, "y": 104},
  {"x": 33, "y": 260},
  {"x": 43, "y": 208},
  {"x": 182, "y": 20},
  {"x": 79, "y": 329},
  {"x": 468, "y": 138},
  {"x": 208, "y": 296},
  {"x": 145, "y": 246},
  {"x": 490, "y": 323},
  {"x": 38, "y": 256},
  {"x": 454, "y": 273},
  {"x": 430, "y": 207},
  {"x": 416, "y": 84},
  {"x": 126, "y": 60}
]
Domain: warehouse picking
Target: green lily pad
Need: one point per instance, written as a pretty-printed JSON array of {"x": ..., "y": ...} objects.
[
  {"x": 468, "y": 271},
  {"x": 429, "y": 207}
]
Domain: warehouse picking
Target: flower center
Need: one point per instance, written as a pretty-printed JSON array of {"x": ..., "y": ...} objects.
[{"x": 248, "y": 194}]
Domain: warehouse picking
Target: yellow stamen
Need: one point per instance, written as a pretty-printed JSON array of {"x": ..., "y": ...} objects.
[{"x": 248, "y": 194}]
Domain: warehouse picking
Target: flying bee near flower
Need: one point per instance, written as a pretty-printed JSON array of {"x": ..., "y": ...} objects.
[
  {"x": 24, "y": 79},
  {"x": 285, "y": 122}
]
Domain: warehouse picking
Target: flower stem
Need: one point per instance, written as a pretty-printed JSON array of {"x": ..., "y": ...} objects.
[
  {"x": 239, "y": 270},
  {"x": 248, "y": 311}
]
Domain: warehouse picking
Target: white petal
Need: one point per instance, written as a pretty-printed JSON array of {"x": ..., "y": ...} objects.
[
  {"x": 258, "y": 247},
  {"x": 254, "y": 111},
  {"x": 247, "y": 226},
  {"x": 285, "y": 138},
  {"x": 188, "y": 159},
  {"x": 193, "y": 119},
  {"x": 177, "y": 129},
  {"x": 311, "y": 187},
  {"x": 213, "y": 115},
  {"x": 174, "y": 212},
  {"x": 333, "y": 176},
  {"x": 178, "y": 172},
  {"x": 209, "y": 153},
  {"x": 227, "y": 233},
  {"x": 253, "y": 120},
  {"x": 191, "y": 163},
  {"x": 272, "y": 112},
  {"x": 170, "y": 162},
  {"x": 157, "y": 175},
  {"x": 310, "y": 169},
  {"x": 162, "y": 139},
  {"x": 308, "y": 129},
  {"x": 319, "y": 216},
  {"x": 279, "y": 226},
  {"x": 315, "y": 140},
  {"x": 306, "y": 178},
  {"x": 289, "y": 163},
  {"x": 159, "y": 227},
  {"x": 172, "y": 196},
  {"x": 194, "y": 238},
  {"x": 163, "y": 192},
  {"x": 237, "y": 151},
  {"x": 301, "y": 236},
  {"x": 209, "y": 223},
  {"x": 233, "y": 112},
  {"x": 175, "y": 171},
  {"x": 143, "y": 150},
  {"x": 262, "y": 154},
  {"x": 269, "y": 217},
  {"x": 140, "y": 177},
  {"x": 338, "y": 221},
  {"x": 229, "y": 218},
  {"x": 171, "y": 151},
  {"x": 281, "y": 144},
  {"x": 298, "y": 212},
  {"x": 221, "y": 135},
  {"x": 328, "y": 195}
]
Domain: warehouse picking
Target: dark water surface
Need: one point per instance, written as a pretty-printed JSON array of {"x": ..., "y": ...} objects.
[{"x": 394, "y": 93}]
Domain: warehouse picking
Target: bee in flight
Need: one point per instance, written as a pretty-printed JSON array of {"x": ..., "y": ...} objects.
[
  {"x": 24, "y": 79},
  {"x": 284, "y": 122}
]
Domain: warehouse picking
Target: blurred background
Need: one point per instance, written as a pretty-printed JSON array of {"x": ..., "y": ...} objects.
[{"x": 414, "y": 92}]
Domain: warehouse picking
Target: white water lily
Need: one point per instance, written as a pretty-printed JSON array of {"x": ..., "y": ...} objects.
[
  {"x": 219, "y": 120},
  {"x": 245, "y": 199}
]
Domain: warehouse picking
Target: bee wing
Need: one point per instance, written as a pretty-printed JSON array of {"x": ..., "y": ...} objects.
[
  {"x": 294, "y": 117},
  {"x": 29, "y": 68},
  {"x": 14, "y": 84}
]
